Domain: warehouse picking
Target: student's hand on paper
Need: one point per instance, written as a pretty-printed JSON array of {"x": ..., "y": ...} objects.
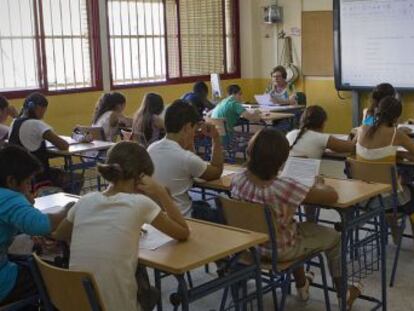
[
  {"x": 405, "y": 130},
  {"x": 319, "y": 180},
  {"x": 68, "y": 206}
]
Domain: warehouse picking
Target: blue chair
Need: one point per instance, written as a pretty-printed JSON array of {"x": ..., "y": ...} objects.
[
  {"x": 259, "y": 218},
  {"x": 63, "y": 289},
  {"x": 385, "y": 173}
]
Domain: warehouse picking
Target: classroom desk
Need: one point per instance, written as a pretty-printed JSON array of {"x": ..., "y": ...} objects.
[
  {"x": 78, "y": 150},
  {"x": 207, "y": 243},
  {"x": 351, "y": 193}
]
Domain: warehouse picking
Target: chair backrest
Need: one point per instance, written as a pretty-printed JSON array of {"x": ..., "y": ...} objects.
[
  {"x": 66, "y": 290},
  {"x": 249, "y": 216},
  {"x": 219, "y": 123},
  {"x": 97, "y": 132},
  {"x": 379, "y": 172}
]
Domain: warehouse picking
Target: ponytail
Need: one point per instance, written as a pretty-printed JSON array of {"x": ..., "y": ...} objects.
[
  {"x": 388, "y": 111},
  {"x": 32, "y": 101},
  {"x": 111, "y": 172},
  {"x": 312, "y": 118}
]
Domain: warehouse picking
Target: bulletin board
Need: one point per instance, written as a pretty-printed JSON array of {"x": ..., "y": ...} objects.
[{"x": 317, "y": 43}]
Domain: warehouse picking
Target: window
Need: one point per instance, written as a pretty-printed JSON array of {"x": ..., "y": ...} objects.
[
  {"x": 137, "y": 41},
  {"x": 167, "y": 40},
  {"x": 48, "y": 45}
]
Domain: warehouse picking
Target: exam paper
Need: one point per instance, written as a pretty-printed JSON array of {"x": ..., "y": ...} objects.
[
  {"x": 264, "y": 100},
  {"x": 152, "y": 238},
  {"x": 301, "y": 169}
]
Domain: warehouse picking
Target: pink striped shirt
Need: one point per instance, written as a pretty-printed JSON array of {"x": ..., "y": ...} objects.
[{"x": 284, "y": 195}]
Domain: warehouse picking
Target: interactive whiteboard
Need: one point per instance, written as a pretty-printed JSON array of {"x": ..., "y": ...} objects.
[{"x": 373, "y": 43}]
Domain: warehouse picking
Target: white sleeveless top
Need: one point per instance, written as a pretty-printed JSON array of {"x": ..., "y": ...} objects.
[
  {"x": 382, "y": 154},
  {"x": 104, "y": 122}
]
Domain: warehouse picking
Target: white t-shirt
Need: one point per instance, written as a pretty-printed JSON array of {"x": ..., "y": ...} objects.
[
  {"x": 4, "y": 131},
  {"x": 312, "y": 144},
  {"x": 104, "y": 242},
  {"x": 31, "y": 133},
  {"x": 104, "y": 122},
  {"x": 176, "y": 169}
]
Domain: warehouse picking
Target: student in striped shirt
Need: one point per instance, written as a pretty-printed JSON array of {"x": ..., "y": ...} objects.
[{"x": 268, "y": 150}]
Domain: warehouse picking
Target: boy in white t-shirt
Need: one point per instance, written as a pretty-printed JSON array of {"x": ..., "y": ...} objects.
[
  {"x": 104, "y": 228},
  {"x": 309, "y": 140},
  {"x": 176, "y": 164}
]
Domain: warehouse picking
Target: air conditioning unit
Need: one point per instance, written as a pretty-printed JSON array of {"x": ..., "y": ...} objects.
[{"x": 273, "y": 14}]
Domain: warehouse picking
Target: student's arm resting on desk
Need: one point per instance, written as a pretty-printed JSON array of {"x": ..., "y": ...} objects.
[
  {"x": 215, "y": 167},
  {"x": 321, "y": 194},
  {"x": 339, "y": 145},
  {"x": 169, "y": 220},
  {"x": 55, "y": 140}
]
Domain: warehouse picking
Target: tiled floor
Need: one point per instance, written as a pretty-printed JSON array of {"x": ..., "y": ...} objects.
[{"x": 400, "y": 298}]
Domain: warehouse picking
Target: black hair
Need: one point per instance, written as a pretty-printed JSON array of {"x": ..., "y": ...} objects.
[
  {"x": 380, "y": 91},
  {"x": 31, "y": 102},
  {"x": 126, "y": 160},
  {"x": 178, "y": 114},
  {"x": 388, "y": 111},
  {"x": 18, "y": 163},
  {"x": 233, "y": 89},
  {"x": 3, "y": 103},
  {"x": 267, "y": 151},
  {"x": 200, "y": 87},
  {"x": 151, "y": 105},
  {"x": 280, "y": 69},
  {"x": 312, "y": 118},
  {"x": 107, "y": 102}
]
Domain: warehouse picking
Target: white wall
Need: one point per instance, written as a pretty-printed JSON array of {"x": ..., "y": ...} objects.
[{"x": 260, "y": 47}]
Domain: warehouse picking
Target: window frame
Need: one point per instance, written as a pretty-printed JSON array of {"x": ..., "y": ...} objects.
[
  {"x": 189, "y": 79},
  {"x": 95, "y": 54}
]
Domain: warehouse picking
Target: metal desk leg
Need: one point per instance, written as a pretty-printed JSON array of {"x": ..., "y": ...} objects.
[
  {"x": 157, "y": 281},
  {"x": 69, "y": 168},
  {"x": 344, "y": 275},
  {"x": 259, "y": 290},
  {"x": 383, "y": 228},
  {"x": 182, "y": 293}
]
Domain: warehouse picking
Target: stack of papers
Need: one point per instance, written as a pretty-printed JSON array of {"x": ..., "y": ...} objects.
[
  {"x": 301, "y": 169},
  {"x": 152, "y": 238}
]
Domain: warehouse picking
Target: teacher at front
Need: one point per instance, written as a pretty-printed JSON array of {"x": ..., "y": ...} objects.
[{"x": 281, "y": 92}]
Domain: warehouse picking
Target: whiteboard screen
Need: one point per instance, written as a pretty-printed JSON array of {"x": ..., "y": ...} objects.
[{"x": 374, "y": 43}]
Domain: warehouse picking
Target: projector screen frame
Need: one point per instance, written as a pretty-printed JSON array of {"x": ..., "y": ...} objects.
[{"x": 338, "y": 61}]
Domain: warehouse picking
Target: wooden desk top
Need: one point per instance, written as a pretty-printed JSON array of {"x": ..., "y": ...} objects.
[
  {"x": 208, "y": 242},
  {"x": 223, "y": 183},
  {"x": 350, "y": 191},
  {"x": 78, "y": 148},
  {"x": 275, "y": 116}
]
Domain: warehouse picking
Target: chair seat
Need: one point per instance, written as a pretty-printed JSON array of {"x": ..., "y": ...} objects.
[{"x": 266, "y": 264}]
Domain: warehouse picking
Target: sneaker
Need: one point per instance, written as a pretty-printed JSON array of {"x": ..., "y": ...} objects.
[{"x": 303, "y": 292}]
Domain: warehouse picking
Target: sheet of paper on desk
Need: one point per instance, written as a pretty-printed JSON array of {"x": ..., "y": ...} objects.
[
  {"x": 301, "y": 169},
  {"x": 52, "y": 209},
  {"x": 410, "y": 126},
  {"x": 152, "y": 238},
  {"x": 264, "y": 100}
]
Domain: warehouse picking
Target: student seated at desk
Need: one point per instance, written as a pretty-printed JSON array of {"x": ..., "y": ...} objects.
[
  {"x": 231, "y": 109},
  {"x": 199, "y": 98},
  {"x": 380, "y": 143},
  {"x": 176, "y": 164},
  {"x": 310, "y": 141},
  {"x": 148, "y": 125},
  {"x": 6, "y": 111},
  {"x": 109, "y": 115},
  {"x": 30, "y": 132},
  {"x": 281, "y": 92},
  {"x": 268, "y": 150},
  {"x": 104, "y": 228},
  {"x": 17, "y": 215},
  {"x": 380, "y": 91}
]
